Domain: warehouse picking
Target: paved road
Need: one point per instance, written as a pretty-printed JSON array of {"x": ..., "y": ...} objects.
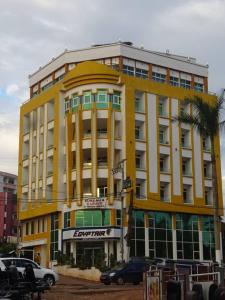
[{"x": 69, "y": 288}]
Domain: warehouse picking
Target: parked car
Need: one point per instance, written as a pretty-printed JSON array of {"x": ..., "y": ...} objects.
[
  {"x": 48, "y": 275},
  {"x": 128, "y": 272}
]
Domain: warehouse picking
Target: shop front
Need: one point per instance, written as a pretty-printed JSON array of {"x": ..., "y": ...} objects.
[{"x": 91, "y": 243}]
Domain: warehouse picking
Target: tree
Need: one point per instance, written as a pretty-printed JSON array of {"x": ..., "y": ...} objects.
[{"x": 206, "y": 119}]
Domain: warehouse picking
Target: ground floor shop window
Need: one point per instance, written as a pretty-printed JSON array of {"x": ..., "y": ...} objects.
[
  {"x": 92, "y": 218},
  {"x": 138, "y": 234},
  {"x": 208, "y": 238},
  {"x": 160, "y": 235},
  {"x": 89, "y": 254},
  {"x": 187, "y": 232}
]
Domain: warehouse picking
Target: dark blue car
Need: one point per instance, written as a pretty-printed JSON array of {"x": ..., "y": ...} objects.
[{"x": 128, "y": 272}]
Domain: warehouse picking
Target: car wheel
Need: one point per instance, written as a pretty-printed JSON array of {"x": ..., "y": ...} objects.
[
  {"x": 50, "y": 280},
  {"x": 120, "y": 281}
]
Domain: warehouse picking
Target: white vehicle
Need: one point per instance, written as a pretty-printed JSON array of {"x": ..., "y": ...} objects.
[{"x": 48, "y": 275}]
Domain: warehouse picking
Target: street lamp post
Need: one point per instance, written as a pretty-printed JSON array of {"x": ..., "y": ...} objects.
[{"x": 120, "y": 169}]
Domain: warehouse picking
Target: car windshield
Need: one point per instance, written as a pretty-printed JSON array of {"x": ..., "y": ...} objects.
[{"x": 120, "y": 267}]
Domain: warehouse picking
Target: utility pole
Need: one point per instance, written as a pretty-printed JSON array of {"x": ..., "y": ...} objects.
[{"x": 120, "y": 169}]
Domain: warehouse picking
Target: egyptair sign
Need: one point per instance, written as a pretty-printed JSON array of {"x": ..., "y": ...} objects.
[{"x": 91, "y": 234}]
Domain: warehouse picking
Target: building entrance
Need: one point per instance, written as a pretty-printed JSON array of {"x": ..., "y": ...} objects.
[{"x": 89, "y": 252}]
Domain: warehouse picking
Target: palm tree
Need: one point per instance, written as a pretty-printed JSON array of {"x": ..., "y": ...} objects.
[{"x": 206, "y": 119}]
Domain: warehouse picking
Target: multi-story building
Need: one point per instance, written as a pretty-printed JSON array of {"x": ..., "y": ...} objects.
[
  {"x": 88, "y": 110},
  {"x": 8, "y": 207}
]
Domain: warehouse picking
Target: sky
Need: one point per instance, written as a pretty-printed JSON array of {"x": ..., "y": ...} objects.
[{"x": 34, "y": 31}]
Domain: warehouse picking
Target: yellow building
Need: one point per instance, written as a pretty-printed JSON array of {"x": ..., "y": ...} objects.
[{"x": 89, "y": 110}]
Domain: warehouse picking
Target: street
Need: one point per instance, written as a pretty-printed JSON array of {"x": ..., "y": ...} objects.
[{"x": 71, "y": 288}]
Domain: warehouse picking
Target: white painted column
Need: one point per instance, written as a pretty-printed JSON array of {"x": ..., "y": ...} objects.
[
  {"x": 146, "y": 242},
  {"x": 197, "y": 165},
  {"x": 174, "y": 239},
  {"x": 175, "y": 150},
  {"x": 152, "y": 143},
  {"x": 200, "y": 245},
  {"x": 45, "y": 129},
  {"x": 30, "y": 159}
]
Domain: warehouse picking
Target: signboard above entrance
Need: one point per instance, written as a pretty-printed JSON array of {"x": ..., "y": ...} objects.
[
  {"x": 91, "y": 234},
  {"x": 95, "y": 202}
]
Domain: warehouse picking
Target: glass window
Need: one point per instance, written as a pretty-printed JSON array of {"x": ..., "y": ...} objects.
[
  {"x": 118, "y": 217},
  {"x": 67, "y": 105},
  {"x": 141, "y": 73},
  {"x": 208, "y": 238},
  {"x": 138, "y": 234},
  {"x": 158, "y": 77},
  {"x": 116, "y": 98},
  {"x": 174, "y": 81},
  {"x": 185, "y": 83},
  {"x": 102, "y": 96},
  {"x": 87, "y": 98},
  {"x": 160, "y": 235},
  {"x": 75, "y": 101},
  {"x": 92, "y": 218},
  {"x": 187, "y": 236},
  {"x": 198, "y": 87},
  {"x": 54, "y": 236},
  {"x": 67, "y": 219},
  {"x": 128, "y": 70}
]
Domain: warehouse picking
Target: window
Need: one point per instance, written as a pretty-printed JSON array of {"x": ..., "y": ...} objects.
[
  {"x": 128, "y": 70},
  {"x": 138, "y": 161},
  {"x": 141, "y": 73},
  {"x": 207, "y": 169},
  {"x": 27, "y": 228},
  {"x": 138, "y": 190},
  {"x": 185, "y": 83},
  {"x": 208, "y": 196},
  {"x": 92, "y": 218},
  {"x": 75, "y": 101},
  {"x": 67, "y": 105},
  {"x": 164, "y": 191},
  {"x": 208, "y": 238},
  {"x": 138, "y": 234},
  {"x": 139, "y": 130},
  {"x": 118, "y": 217},
  {"x": 187, "y": 193},
  {"x": 116, "y": 98},
  {"x": 206, "y": 143},
  {"x": 87, "y": 98},
  {"x": 32, "y": 227},
  {"x": 163, "y": 135},
  {"x": 102, "y": 96},
  {"x": 138, "y": 105},
  {"x": 160, "y": 235},
  {"x": 67, "y": 219},
  {"x": 163, "y": 107},
  {"x": 186, "y": 166},
  {"x": 102, "y": 191},
  {"x": 158, "y": 77},
  {"x": 174, "y": 81},
  {"x": 198, "y": 87},
  {"x": 54, "y": 238},
  {"x": 163, "y": 163},
  {"x": 185, "y": 138},
  {"x": 187, "y": 236}
]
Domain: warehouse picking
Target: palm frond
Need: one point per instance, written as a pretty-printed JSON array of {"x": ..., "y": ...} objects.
[{"x": 191, "y": 120}]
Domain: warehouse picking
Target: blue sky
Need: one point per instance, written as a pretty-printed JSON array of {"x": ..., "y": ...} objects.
[{"x": 34, "y": 31}]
